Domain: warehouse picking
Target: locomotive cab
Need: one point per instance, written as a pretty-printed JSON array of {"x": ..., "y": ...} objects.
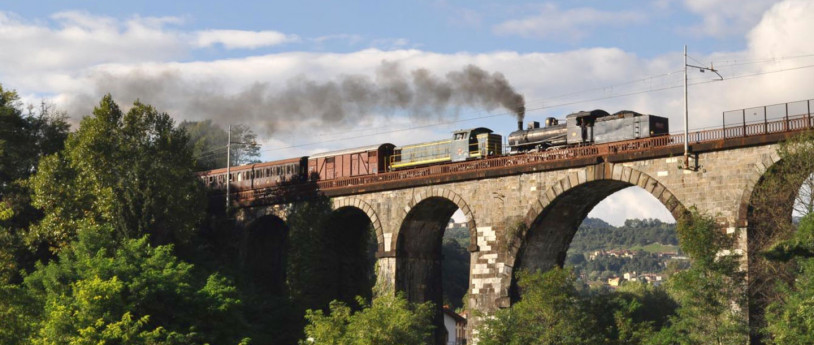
[{"x": 474, "y": 143}]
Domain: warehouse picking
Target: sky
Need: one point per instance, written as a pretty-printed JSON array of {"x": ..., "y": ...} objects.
[{"x": 311, "y": 76}]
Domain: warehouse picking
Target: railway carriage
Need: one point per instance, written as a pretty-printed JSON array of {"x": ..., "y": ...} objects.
[{"x": 257, "y": 175}]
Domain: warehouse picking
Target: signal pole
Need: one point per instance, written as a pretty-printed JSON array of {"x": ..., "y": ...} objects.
[
  {"x": 228, "y": 166},
  {"x": 686, "y": 107},
  {"x": 686, "y": 117}
]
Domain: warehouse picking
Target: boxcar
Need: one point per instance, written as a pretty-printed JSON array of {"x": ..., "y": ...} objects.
[{"x": 350, "y": 162}]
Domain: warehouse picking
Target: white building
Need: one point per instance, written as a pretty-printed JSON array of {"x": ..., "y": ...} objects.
[{"x": 455, "y": 326}]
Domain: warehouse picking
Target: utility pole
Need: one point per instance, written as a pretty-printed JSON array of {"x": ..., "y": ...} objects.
[
  {"x": 686, "y": 117},
  {"x": 686, "y": 107},
  {"x": 228, "y": 166}
]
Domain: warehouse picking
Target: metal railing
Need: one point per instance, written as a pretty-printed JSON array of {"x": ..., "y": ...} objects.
[{"x": 777, "y": 118}]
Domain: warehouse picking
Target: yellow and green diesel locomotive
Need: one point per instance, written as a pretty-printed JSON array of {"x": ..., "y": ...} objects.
[{"x": 464, "y": 145}]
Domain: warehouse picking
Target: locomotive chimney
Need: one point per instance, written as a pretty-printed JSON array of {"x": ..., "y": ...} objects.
[{"x": 519, "y": 125}]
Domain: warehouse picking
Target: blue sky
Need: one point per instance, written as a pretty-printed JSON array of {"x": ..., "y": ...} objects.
[
  {"x": 284, "y": 67},
  {"x": 646, "y": 28}
]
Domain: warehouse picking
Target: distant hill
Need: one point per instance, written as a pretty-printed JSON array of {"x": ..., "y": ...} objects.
[
  {"x": 596, "y": 234},
  {"x": 645, "y": 237},
  {"x": 649, "y": 235}
]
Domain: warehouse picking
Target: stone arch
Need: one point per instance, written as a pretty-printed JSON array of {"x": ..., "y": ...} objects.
[
  {"x": 766, "y": 219},
  {"x": 263, "y": 252},
  {"x": 248, "y": 215},
  {"x": 360, "y": 204},
  {"x": 456, "y": 199},
  {"x": 418, "y": 248},
  {"x": 350, "y": 242},
  {"x": 761, "y": 169},
  {"x": 563, "y": 206}
]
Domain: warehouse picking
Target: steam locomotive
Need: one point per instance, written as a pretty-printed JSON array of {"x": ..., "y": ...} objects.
[
  {"x": 580, "y": 128},
  {"x": 587, "y": 127}
]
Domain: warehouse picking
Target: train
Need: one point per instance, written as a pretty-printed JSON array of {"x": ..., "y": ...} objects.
[{"x": 579, "y": 128}]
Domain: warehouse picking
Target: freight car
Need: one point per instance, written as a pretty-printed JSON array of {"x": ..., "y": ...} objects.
[
  {"x": 350, "y": 162},
  {"x": 465, "y": 144},
  {"x": 286, "y": 171},
  {"x": 587, "y": 127}
]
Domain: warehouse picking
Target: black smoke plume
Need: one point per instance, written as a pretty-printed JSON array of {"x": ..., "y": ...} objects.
[{"x": 339, "y": 102}]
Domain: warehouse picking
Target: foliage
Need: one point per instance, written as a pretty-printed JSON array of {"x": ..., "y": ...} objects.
[
  {"x": 389, "y": 319},
  {"x": 711, "y": 293},
  {"x": 791, "y": 320},
  {"x": 103, "y": 291},
  {"x": 15, "y": 313},
  {"x": 24, "y": 138},
  {"x": 551, "y": 311},
  {"x": 133, "y": 171},
  {"x": 455, "y": 272},
  {"x": 595, "y": 234},
  {"x": 208, "y": 142}
]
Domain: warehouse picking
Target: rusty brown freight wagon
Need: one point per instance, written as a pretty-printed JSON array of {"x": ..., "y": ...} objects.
[{"x": 350, "y": 162}]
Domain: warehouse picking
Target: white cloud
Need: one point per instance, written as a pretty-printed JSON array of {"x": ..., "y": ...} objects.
[
  {"x": 784, "y": 30},
  {"x": 349, "y": 38},
  {"x": 722, "y": 18},
  {"x": 37, "y": 57},
  {"x": 241, "y": 39},
  {"x": 629, "y": 203},
  {"x": 565, "y": 25}
]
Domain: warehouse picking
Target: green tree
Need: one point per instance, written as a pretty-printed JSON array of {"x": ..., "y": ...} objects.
[
  {"x": 791, "y": 319},
  {"x": 133, "y": 171},
  {"x": 24, "y": 138},
  {"x": 633, "y": 313},
  {"x": 711, "y": 293},
  {"x": 551, "y": 311},
  {"x": 103, "y": 291},
  {"x": 389, "y": 319},
  {"x": 15, "y": 305}
]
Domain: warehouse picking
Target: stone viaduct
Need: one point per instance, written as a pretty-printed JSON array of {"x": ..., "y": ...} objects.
[{"x": 523, "y": 216}]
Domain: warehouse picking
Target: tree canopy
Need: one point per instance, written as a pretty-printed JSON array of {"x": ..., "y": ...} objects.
[
  {"x": 389, "y": 319},
  {"x": 102, "y": 291},
  {"x": 131, "y": 170}
]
